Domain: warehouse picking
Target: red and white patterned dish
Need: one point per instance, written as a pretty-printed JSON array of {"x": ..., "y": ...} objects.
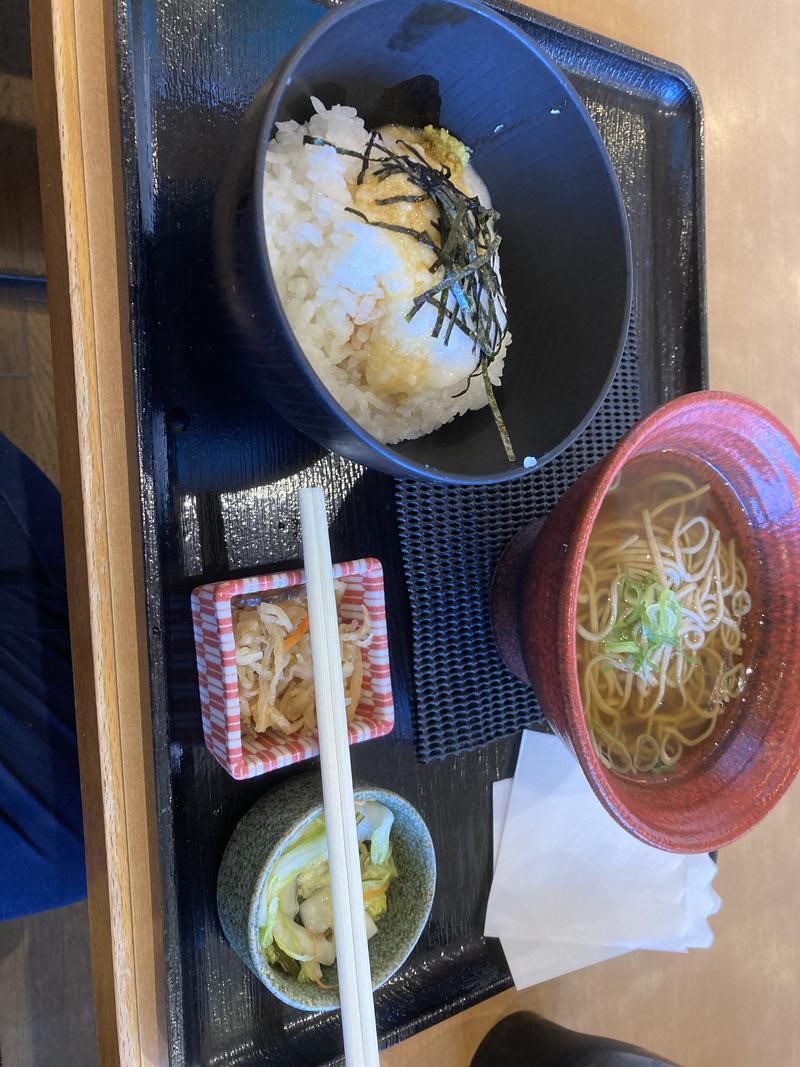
[{"x": 248, "y": 756}]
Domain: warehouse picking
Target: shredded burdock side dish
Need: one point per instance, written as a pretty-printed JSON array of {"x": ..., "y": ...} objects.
[{"x": 273, "y": 661}]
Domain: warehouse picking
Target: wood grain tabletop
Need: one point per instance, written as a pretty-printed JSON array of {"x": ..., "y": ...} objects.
[{"x": 733, "y": 1005}]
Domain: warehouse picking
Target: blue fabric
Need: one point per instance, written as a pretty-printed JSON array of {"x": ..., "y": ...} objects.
[{"x": 41, "y": 835}]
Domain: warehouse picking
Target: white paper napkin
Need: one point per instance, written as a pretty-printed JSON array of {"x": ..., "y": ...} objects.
[{"x": 571, "y": 887}]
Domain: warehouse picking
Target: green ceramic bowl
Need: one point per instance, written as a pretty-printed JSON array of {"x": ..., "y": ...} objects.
[{"x": 269, "y": 826}]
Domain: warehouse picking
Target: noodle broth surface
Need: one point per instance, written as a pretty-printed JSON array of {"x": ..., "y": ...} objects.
[{"x": 663, "y": 609}]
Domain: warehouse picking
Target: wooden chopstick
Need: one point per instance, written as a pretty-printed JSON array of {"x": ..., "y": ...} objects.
[{"x": 352, "y": 953}]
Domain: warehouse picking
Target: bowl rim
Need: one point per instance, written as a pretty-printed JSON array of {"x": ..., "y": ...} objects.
[
  {"x": 600, "y": 779},
  {"x": 259, "y": 963},
  {"x": 400, "y": 464}
]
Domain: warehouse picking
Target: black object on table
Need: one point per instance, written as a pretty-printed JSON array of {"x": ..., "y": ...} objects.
[
  {"x": 219, "y": 475},
  {"x": 525, "y": 1039}
]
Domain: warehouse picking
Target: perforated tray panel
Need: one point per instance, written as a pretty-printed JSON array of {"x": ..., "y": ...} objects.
[{"x": 451, "y": 538}]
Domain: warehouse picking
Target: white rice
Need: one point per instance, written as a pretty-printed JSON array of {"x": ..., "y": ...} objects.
[{"x": 338, "y": 278}]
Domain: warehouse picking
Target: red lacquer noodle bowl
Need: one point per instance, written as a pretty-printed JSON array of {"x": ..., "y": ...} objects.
[{"x": 733, "y": 779}]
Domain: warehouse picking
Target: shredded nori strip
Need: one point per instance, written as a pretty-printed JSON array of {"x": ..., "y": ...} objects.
[
  {"x": 403, "y": 199},
  {"x": 320, "y": 141},
  {"x": 418, "y": 235},
  {"x": 468, "y": 296},
  {"x": 365, "y": 164}
]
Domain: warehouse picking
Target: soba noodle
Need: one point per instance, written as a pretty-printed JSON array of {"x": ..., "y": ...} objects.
[{"x": 661, "y": 601}]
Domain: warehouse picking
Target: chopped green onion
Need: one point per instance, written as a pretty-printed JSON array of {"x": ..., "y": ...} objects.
[{"x": 649, "y": 622}]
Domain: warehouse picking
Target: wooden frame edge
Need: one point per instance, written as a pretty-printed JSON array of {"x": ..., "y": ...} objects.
[{"x": 78, "y": 135}]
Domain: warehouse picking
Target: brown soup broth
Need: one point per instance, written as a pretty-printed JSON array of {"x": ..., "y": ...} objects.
[{"x": 703, "y": 691}]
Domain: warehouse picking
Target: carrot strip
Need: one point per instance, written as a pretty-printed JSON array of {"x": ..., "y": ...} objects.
[
  {"x": 292, "y": 638},
  {"x": 373, "y": 894}
]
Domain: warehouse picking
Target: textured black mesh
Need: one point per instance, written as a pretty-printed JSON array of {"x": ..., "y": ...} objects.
[{"x": 451, "y": 540}]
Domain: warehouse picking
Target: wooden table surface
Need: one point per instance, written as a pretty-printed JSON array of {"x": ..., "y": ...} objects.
[{"x": 734, "y": 1005}]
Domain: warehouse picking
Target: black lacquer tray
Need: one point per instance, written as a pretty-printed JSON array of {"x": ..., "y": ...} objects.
[{"x": 218, "y": 478}]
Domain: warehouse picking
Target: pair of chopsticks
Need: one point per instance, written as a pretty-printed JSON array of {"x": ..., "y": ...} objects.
[{"x": 352, "y": 953}]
